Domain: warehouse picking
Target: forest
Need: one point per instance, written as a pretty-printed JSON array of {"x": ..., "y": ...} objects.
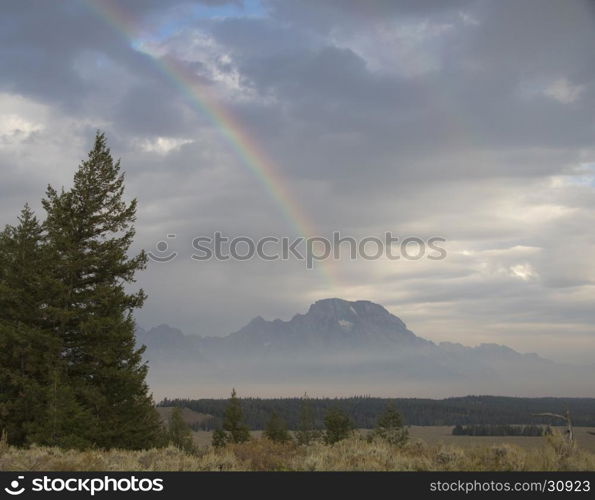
[{"x": 364, "y": 410}]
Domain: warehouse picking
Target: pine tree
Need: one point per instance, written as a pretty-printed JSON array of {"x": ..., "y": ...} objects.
[
  {"x": 390, "y": 427},
  {"x": 31, "y": 354},
  {"x": 233, "y": 424},
  {"x": 22, "y": 291},
  {"x": 179, "y": 432},
  {"x": 89, "y": 232},
  {"x": 276, "y": 429},
  {"x": 338, "y": 426},
  {"x": 306, "y": 432}
]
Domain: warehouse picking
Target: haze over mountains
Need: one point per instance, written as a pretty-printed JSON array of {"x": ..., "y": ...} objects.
[{"x": 341, "y": 348}]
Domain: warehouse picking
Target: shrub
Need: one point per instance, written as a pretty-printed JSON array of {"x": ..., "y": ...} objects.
[
  {"x": 338, "y": 426},
  {"x": 276, "y": 429},
  {"x": 219, "y": 438},
  {"x": 390, "y": 427}
]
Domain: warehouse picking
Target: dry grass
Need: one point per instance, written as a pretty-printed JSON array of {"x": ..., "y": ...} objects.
[
  {"x": 354, "y": 454},
  {"x": 443, "y": 434}
]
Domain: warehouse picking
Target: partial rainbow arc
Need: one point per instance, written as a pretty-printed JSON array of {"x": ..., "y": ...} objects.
[{"x": 245, "y": 146}]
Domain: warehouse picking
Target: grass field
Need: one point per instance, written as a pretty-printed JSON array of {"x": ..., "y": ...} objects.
[
  {"x": 436, "y": 435},
  {"x": 444, "y": 435},
  {"x": 431, "y": 449}
]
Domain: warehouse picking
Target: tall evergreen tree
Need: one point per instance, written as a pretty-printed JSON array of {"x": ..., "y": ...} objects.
[
  {"x": 90, "y": 229},
  {"x": 22, "y": 290},
  {"x": 306, "y": 431},
  {"x": 179, "y": 432},
  {"x": 30, "y": 354},
  {"x": 233, "y": 421}
]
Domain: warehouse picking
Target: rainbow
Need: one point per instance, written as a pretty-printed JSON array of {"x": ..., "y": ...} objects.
[{"x": 202, "y": 99}]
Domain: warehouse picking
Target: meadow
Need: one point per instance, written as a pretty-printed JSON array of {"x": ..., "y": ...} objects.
[
  {"x": 429, "y": 449},
  {"x": 442, "y": 434}
]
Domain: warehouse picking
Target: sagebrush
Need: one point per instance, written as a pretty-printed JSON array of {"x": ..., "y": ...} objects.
[{"x": 353, "y": 454}]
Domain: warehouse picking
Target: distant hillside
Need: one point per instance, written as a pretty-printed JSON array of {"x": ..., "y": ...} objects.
[
  {"x": 341, "y": 347},
  {"x": 364, "y": 411}
]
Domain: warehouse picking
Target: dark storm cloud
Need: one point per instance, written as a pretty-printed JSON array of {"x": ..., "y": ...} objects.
[
  {"x": 344, "y": 111},
  {"x": 41, "y": 40}
]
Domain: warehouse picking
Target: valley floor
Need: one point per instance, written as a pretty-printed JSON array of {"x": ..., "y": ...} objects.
[
  {"x": 435, "y": 452},
  {"x": 435, "y": 435}
]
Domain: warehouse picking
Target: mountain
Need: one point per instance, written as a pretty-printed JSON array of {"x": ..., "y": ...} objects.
[
  {"x": 330, "y": 327},
  {"x": 165, "y": 341},
  {"x": 340, "y": 347}
]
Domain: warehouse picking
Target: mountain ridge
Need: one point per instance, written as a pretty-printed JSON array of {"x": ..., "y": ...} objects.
[
  {"x": 335, "y": 314},
  {"x": 351, "y": 345}
]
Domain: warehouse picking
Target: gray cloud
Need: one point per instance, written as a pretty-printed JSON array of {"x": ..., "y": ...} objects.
[{"x": 467, "y": 119}]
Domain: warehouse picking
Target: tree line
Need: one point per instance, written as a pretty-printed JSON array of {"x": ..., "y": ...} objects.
[
  {"x": 337, "y": 425},
  {"x": 364, "y": 410},
  {"x": 501, "y": 430},
  {"x": 71, "y": 374}
]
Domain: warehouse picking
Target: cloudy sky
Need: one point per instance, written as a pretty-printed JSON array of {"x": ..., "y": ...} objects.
[{"x": 470, "y": 120}]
